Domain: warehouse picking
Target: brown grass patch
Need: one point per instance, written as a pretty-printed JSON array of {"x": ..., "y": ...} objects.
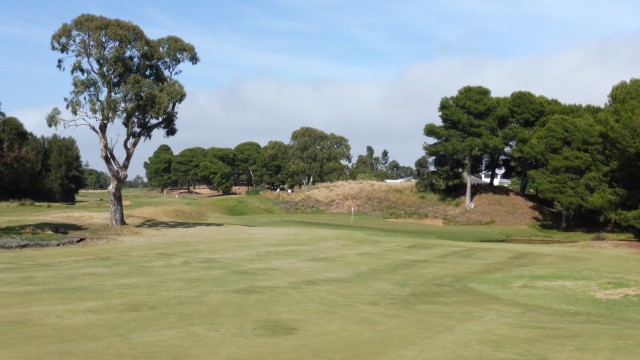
[
  {"x": 617, "y": 293},
  {"x": 79, "y": 217},
  {"x": 365, "y": 197},
  {"x": 439, "y": 222},
  {"x": 168, "y": 213},
  {"x": 504, "y": 209}
]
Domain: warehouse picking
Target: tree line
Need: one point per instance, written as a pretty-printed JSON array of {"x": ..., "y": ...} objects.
[
  {"x": 38, "y": 168},
  {"x": 99, "y": 180},
  {"x": 582, "y": 159},
  {"x": 311, "y": 156}
]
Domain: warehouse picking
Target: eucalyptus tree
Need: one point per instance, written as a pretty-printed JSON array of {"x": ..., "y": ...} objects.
[
  {"x": 318, "y": 156},
  {"x": 120, "y": 77}
]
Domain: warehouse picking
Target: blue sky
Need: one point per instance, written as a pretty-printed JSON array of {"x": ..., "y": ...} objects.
[{"x": 372, "y": 71}]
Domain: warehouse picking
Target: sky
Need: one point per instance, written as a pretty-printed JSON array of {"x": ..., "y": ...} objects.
[{"x": 371, "y": 71}]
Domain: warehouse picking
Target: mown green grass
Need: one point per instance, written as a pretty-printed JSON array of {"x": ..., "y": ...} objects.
[{"x": 272, "y": 285}]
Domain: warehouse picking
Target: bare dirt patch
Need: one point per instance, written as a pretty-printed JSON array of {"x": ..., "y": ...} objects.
[
  {"x": 204, "y": 191},
  {"x": 614, "y": 244}
]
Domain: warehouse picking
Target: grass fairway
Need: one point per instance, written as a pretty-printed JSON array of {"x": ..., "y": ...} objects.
[{"x": 199, "y": 284}]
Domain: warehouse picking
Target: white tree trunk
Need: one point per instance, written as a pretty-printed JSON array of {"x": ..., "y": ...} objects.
[{"x": 468, "y": 203}]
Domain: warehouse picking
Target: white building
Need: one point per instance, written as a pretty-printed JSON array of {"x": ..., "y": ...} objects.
[{"x": 486, "y": 178}]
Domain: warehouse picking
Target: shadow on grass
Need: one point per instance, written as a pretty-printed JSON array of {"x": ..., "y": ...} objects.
[
  {"x": 488, "y": 189},
  {"x": 160, "y": 224},
  {"x": 547, "y": 218},
  {"x": 41, "y": 228}
]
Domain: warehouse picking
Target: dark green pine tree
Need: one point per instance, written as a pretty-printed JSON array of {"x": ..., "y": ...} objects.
[{"x": 158, "y": 168}]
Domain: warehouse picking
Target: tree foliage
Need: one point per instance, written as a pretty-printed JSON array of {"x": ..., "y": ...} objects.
[
  {"x": 63, "y": 169},
  {"x": 216, "y": 175},
  {"x": 247, "y": 156},
  {"x": 158, "y": 168},
  {"x": 95, "y": 179},
  {"x": 318, "y": 156},
  {"x": 370, "y": 166},
  {"x": 185, "y": 166},
  {"x": 21, "y": 159},
  {"x": 273, "y": 170},
  {"x": 45, "y": 168},
  {"x": 622, "y": 149},
  {"x": 571, "y": 168}
]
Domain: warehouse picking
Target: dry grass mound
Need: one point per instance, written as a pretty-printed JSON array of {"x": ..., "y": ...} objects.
[
  {"x": 368, "y": 197},
  {"x": 505, "y": 208},
  {"x": 403, "y": 202}
]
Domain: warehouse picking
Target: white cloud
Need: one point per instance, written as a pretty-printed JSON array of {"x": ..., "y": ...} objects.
[{"x": 386, "y": 114}]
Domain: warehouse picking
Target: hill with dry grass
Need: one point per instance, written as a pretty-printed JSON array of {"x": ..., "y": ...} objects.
[{"x": 403, "y": 202}]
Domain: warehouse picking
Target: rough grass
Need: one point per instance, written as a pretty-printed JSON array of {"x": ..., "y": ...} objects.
[
  {"x": 366, "y": 197},
  {"x": 403, "y": 201}
]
